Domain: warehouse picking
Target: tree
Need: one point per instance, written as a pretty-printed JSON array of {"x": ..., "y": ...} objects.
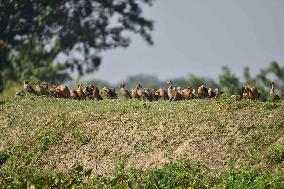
[
  {"x": 228, "y": 81},
  {"x": 34, "y": 33}
]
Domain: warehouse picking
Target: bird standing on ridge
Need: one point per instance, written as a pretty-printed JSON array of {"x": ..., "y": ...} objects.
[
  {"x": 124, "y": 92},
  {"x": 28, "y": 88},
  {"x": 141, "y": 93},
  {"x": 162, "y": 94},
  {"x": 40, "y": 89},
  {"x": 110, "y": 92},
  {"x": 272, "y": 94},
  {"x": 202, "y": 92},
  {"x": 20, "y": 93},
  {"x": 80, "y": 92}
]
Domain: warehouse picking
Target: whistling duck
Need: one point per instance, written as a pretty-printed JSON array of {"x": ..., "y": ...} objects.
[
  {"x": 202, "y": 92},
  {"x": 80, "y": 92},
  {"x": 161, "y": 93},
  {"x": 20, "y": 93},
  {"x": 28, "y": 88},
  {"x": 124, "y": 92},
  {"x": 110, "y": 92},
  {"x": 141, "y": 93},
  {"x": 40, "y": 89},
  {"x": 272, "y": 94}
]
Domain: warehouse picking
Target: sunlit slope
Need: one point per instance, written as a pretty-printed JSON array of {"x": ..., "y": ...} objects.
[{"x": 56, "y": 134}]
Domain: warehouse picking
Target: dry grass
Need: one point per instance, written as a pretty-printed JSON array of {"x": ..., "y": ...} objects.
[{"x": 56, "y": 134}]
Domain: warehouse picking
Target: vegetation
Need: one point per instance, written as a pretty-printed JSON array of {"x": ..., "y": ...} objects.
[
  {"x": 220, "y": 143},
  {"x": 34, "y": 33},
  {"x": 227, "y": 80}
]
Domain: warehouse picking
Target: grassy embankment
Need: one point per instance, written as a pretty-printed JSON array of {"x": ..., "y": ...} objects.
[{"x": 135, "y": 144}]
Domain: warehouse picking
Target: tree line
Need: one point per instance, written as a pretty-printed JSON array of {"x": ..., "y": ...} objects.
[
  {"x": 34, "y": 33},
  {"x": 227, "y": 80}
]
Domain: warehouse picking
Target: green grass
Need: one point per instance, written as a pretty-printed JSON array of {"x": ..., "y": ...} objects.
[{"x": 60, "y": 143}]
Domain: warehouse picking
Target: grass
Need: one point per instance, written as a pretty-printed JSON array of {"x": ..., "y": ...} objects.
[{"x": 60, "y": 143}]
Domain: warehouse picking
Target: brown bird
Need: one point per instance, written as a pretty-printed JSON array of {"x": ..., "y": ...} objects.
[
  {"x": 74, "y": 95},
  {"x": 211, "y": 93},
  {"x": 153, "y": 95},
  {"x": 141, "y": 93},
  {"x": 53, "y": 91},
  {"x": 20, "y": 93},
  {"x": 202, "y": 92},
  {"x": 95, "y": 93},
  {"x": 243, "y": 94},
  {"x": 80, "y": 92},
  {"x": 134, "y": 93},
  {"x": 272, "y": 94},
  {"x": 187, "y": 94},
  {"x": 171, "y": 92},
  {"x": 28, "y": 88},
  {"x": 177, "y": 94},
  {"x": 40, "y": 89},
  {"x": 162, "y": 94},
  {"x": 124, "y": 92},
  {"x": 110, "y": 93},
  {"x": 251, "y": 93},
  {"x": 64, "y": 91},
  {"x": 218, "y": 92}
]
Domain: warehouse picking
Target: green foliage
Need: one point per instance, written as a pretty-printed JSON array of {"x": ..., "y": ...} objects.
[
  {"x": 172, "y": 175},
  {"x": 33, "y": 34},
  {"x": 3, "y": 156},
  {"x": 275, "y": 154},
  {"x": 270, "y": 105},
  {"x": 229, "y": 82},
  {"x": 245, "y": 178},
  {"x": 46, "y": 139}
]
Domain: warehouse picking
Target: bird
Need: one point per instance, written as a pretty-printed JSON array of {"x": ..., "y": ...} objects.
[
  {"x": 177, "y": 94},
  {"x": 20, "y": 93},
  {"x": 134, "y": 93},
  {"x": 124, "y": 92},
  {"x": 53, "y": 91},
  {"x": 211, "y": 92},
  {"x": 153, "y": 95},
  {"x": 64, "y": 91},
  {"x": 40, "y": 89},
  {"x": 187, "y": 94},
  {"x": 110, "y": 92},
  {"x": 202, "y": 92},
  {"x": 171, "y": 91},
  {"x": 162, "y": 94},
  {"x": 141, "y": 93},
  {"x": 243, "y": 94},
  {"x": 272, "y": 93},
  {"x": 218, "y": 92},
  {"x": 251, "y": 93},
  {"x": 28, "y": 88},
  {"x": 80, "y": 92},
  {"x": 74, "y": 95},
  {"x": 95, "y": 93}
]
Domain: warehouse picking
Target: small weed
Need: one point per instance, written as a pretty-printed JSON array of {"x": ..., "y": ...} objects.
[
  {"x": 80, "y": 137},
  {"x": 4, "y": 156},
  {"x": 275, "y": 154},
  {"x": 43, "y": 143},
  {"x": 270, "y": 105}
]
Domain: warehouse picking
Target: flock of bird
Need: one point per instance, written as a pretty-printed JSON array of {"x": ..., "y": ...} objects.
[{"x": 172, "y": 93}]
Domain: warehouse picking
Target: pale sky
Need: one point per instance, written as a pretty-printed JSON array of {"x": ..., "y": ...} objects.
[{"x": 199, "y": 37}]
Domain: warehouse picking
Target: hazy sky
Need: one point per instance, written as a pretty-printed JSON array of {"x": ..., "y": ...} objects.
[{"x": 199, "y": 37}]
